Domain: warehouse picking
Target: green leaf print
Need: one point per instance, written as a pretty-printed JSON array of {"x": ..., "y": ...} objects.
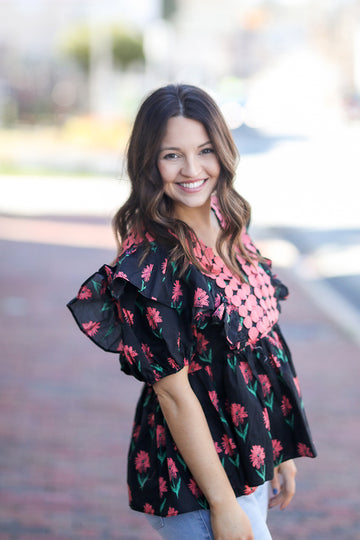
[
  {"x": 252, "y": 388},
  {"x": 261, "y": 472},
  {"x": 162, "y": 505},
  {"x": 161, "y": 456},
  {"x": 142, "y": 480},
  {"x": 236, "y": 461},
  {"x": 243, "y": 432},
  {"x": 96, "y": 285},
  {"x": 111, "y": 329},
  {"x": 207, "y": 358},
  {"x": 232, "y": 362},
  {"x": 175, "y": 487},
  {"x": 270, "y": 402},
  {"x": 106, "y": 306},
  {"x": 182, "y": 461}
]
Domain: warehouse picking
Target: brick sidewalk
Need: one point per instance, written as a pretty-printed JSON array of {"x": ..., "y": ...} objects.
[{"x": 66, "y": 413}]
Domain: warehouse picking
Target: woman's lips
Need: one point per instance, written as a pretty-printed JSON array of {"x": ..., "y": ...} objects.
[{"x": 193, "y": 186}]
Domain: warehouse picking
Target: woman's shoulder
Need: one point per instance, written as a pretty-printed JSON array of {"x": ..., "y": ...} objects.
[{"x": 147, "y": 266}]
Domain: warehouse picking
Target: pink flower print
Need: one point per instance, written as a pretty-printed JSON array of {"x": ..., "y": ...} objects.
[
  {"x": 266, "y": 418},
  {"x": 246, "y": 372},
  {"x": 172, "y": 512},
  {"x": 286, "y": 406},
  {"x": 249, "y": 490},
  {"x": 146, "y": 273},
  {"x": 172, "y": 468},
  {"x": 162, "y": 486},
  {"x": 275, "y": 362},
  {"x": 84, "y": 293},
  {"x": 297, "y": 385},
  {"x": 209, "y": 372},
  {"x": 238, "y": 413},
  {"x": 201, "y": 299},
  {"x": 194, "y": 488},
  {"x": 265, "y": 384},
  {"x": 121, "y": 275},
  {"x": 142, "y": 461},
  {"x": 277, "y": 448},
  {"x": 136, "y": 432},
  {"x": 148, "y": 509},
  {"x": 128, "y": 316},
  {"x": 228, "y": 445},
  {"x": 217, "y": 447},
  {"x": 91, "y": 328},
  {"x": 164, "y": 266},
  {"x": 194, "y": 366},
  {"x": 147, "y": 352},
  {"x": 172, "y": 363},
  {"x": 176, "y": 292},
  {"x": 257, "y": 456},
  {"x": 214, "y": 399},
  {"x": 201, "y": 343},
  {"x": 153, "y": 317},
  {"x": 160, "y": 436},
  {"x": 129, "y": 353},
  {"x": 304, "y": 450}
]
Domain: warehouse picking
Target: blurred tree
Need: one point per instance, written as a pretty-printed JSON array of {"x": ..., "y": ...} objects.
[{"x": 127, "y": 46}]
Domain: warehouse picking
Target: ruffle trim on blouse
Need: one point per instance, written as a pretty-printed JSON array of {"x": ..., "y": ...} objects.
[{"x": 101, "y": 308}]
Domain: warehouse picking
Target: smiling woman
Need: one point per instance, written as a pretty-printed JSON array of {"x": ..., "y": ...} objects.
[{"x": 192, "y": 309}]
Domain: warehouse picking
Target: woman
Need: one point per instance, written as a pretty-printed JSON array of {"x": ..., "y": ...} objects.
[{"x": 192, "y": 308}]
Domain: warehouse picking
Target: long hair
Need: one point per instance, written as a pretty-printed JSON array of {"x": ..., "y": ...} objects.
[{"x": 148, "y": 209}]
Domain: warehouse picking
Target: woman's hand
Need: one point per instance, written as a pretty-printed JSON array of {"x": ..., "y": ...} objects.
[
  {"x": 230, "y": 522},
  {"x": 285, "y": 490}
]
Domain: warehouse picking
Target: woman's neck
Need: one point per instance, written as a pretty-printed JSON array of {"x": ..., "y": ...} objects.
[{"x": 203, "y": 222}]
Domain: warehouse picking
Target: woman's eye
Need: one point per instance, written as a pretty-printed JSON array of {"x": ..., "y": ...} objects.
[{"x": 207, "y": 151}]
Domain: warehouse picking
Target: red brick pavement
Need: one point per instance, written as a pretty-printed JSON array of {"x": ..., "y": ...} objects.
[{"x": 66, "y": 413}]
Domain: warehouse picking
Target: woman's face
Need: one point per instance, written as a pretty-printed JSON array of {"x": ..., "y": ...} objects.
[{"x": 187, "y": 163}]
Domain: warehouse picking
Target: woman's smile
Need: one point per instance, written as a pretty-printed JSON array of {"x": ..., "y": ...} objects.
[{"x": 192, "y": 185}]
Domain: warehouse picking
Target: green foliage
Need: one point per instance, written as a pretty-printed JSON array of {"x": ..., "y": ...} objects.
[{"x": 127, "y": 46}]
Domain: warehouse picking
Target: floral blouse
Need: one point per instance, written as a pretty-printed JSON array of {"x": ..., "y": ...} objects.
[{"x": 240, "y": 367}]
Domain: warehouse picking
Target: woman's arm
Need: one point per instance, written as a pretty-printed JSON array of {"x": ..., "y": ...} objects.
[{"x": 189, "y": 428}]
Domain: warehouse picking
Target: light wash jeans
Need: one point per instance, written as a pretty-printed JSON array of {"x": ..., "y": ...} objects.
[{"x": 196, "y": 525}]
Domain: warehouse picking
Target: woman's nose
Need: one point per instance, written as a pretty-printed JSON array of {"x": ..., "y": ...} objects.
[{"x": 191, "y": 167}]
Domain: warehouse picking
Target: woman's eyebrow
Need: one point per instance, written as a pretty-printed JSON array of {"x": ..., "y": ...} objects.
[{"x": 178, "y": 149}]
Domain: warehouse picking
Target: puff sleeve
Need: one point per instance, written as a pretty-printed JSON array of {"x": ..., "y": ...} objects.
[{"x": 139, "y": 310}]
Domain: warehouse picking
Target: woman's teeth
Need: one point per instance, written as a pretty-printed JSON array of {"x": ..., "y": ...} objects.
[{"x": 192, "y": 185}]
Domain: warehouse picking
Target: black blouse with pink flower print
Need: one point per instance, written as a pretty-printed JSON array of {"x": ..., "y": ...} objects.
[{"x": 240, "y": 367}]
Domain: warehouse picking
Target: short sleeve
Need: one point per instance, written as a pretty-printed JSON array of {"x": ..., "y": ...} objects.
[
  {"x": 139, "y": 312},
  {"x": 155, "y": 340}
]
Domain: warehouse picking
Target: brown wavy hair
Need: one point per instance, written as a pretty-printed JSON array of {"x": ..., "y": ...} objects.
[{"x": 148, "y": 209}]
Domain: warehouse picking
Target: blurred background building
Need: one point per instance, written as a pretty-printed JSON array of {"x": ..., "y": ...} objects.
[{"x": 76, "y": 57}]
